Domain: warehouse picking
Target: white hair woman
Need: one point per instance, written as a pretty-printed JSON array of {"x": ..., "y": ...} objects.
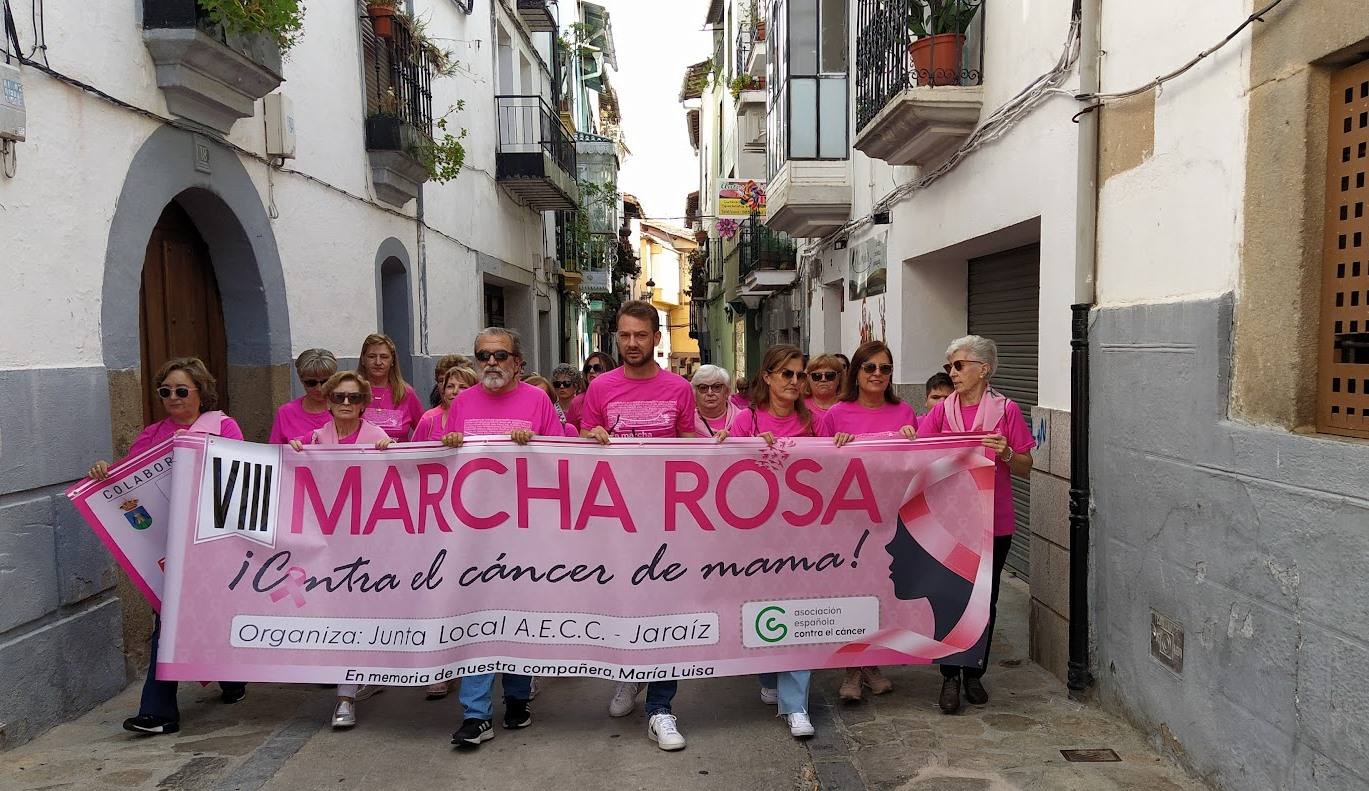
[
  {"x": 714, "y": 411},
  {"x": 975, "y": 406}
]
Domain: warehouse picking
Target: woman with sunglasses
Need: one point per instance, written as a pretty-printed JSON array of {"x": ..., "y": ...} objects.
[
  {"x": 596, "y": 365},
  {"x": 347, "y": 394},
  {"x": 824, "y": 383},
  {"x": 565, "y": 386},
  {"x": 777, "y": 410},
  {"x": 394, "y": 406},
  {"x": 868, "y": 407},
  {"x": 714, "y": 411},
  {"x": 188, "y": 394},
  {"x": 976, "y": 406},
  {"x": 309, "y": 411}
]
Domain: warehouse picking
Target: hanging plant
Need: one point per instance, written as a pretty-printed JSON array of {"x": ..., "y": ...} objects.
[
  {"x": 282, "y": 20},
  {"x": 443, "y": 155}
]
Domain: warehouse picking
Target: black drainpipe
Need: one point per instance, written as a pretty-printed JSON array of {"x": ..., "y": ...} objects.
[{"x": 1079, "y": 678}]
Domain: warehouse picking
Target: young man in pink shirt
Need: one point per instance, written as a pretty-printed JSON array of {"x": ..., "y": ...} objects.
[
  {"x": 639, "y": 399},
  {"x": 499, "y": 404}
]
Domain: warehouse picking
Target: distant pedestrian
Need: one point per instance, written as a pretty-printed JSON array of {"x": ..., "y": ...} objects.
[
  {"x": 430, "y": 426},
  {"x": 939, "y": 386},
  {"x": 394, "y": 406},
  {"x": 741, "y": 398},
  {"x": 971, "y": 362},
  {"x": 309, "y": 411},
  {"x": 188, "y": 395}
]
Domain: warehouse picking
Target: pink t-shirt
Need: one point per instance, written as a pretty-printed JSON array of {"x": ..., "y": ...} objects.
[
  {"x": 398, "y": 420},
  {"x": 792, "y": 425},
  {"x": 292, "y": 421},
  {"x": 1014, "y": 428},
  {"x": 478, "y": 412},
  {"x": 662, "y": 406},
  {"x": 816, "y": 408},
  {"x": 849, "y": 417},
  {"x": 166, "y": 427},
  {"x": 429, "y": 426},
  {"x": 576, "y": 409},
  {"x": 707, "y": 427}
]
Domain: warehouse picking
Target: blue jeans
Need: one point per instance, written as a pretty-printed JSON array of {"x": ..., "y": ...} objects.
[
  {"x": 159, "y": 697},
  {"x": 659, "y": 694},
  {"x": 793, "y": 689},
  {"x": 477, "y": 693}
]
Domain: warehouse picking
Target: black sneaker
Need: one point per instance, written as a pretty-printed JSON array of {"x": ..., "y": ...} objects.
[
  {"x": 149, "y": 723},
  {"x": 516, "y": 714},
  {"x": 975, "y": 692},
  {"x": 473, "y": 732},
  {"x": 950, "y": 695},
  {"x": 232, "y": 693}
]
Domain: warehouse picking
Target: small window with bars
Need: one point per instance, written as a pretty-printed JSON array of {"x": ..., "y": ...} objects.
[{"x": 1343, "y": 374}]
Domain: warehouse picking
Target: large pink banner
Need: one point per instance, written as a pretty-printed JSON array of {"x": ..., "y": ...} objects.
[{"x": 650, "y": 559}]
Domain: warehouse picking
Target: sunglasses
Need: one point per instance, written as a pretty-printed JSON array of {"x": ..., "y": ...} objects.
[
  {"x": 181, "y": 391},
  {"x": 713, "y": 388},
  {"x": 594, "y": 368},
  {"x": 312, "y": 382},
  {"x": 884, "y": 368},
  {"x": 562, "y": 385},
  {"x": 824, "y": 376},
  {"x": 347, "y": 398},
  {"x": 959, "y": 365},
  {"x": 790, "y": 374},
  {"x": 485, "y": 355}
]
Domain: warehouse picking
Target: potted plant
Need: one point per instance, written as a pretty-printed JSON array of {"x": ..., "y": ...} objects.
[
  {"x": 382, "y": 14},
  {"x": 938, "y": 28},
  {"x": 281, "y": 20}
]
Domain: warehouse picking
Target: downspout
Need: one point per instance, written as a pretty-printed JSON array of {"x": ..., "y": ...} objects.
[
  {"x": 1079, "y": 678},
  {"x": 422, "y": 244}
]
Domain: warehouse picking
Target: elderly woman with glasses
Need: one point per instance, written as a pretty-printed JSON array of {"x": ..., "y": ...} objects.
[
  {"x": 309, "y": 411},
  {"x": 824, "y": 383},
  {"x": 975, "y": 406},
  {"x": 714, "y": 411},
  {"x": 188, "y": 394}
]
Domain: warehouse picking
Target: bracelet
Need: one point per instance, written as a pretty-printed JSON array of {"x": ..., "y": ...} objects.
[{"x": 1011, "y": 455}]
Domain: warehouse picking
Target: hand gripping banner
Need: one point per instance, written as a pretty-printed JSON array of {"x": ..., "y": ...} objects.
[{"x": 650, "y": 559}]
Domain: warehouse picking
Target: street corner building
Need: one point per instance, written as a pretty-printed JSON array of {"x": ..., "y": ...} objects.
[{"x": 173, "y": 185}]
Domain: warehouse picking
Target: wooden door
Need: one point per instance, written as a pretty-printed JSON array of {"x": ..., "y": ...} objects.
[{"x": 179, "y": 311}]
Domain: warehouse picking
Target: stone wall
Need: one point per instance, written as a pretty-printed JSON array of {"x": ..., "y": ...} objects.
[{"x": 1050, "y": 546}]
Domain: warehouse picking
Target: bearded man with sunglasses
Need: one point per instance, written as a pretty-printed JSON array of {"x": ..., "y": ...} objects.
[
  {"x": 641, "y": 399},
  {"x": 501, "y": 405}
]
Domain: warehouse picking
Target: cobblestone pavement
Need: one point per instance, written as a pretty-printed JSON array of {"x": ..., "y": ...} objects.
[{"x": 277, "y": 740}]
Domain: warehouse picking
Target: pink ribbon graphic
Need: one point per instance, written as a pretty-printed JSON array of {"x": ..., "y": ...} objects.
[{"x": 292, "y": 586}]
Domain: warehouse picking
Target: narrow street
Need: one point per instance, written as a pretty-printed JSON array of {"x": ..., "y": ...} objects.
[{"x": 277, "y": 740}]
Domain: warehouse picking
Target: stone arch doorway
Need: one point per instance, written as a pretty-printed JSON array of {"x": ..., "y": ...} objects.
[{"x": 180, "y": 311}]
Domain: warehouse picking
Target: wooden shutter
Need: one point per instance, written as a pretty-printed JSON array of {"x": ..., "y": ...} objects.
[{"x": 1343, "y": 373}]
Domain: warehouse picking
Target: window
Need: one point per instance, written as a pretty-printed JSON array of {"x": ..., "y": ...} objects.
[
  {"x": 1343, "y": 375},
  {"x": 808, "y": 81}
]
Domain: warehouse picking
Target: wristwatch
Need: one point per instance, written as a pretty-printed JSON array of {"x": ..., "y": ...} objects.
[{"x": 1011, "y": 454}]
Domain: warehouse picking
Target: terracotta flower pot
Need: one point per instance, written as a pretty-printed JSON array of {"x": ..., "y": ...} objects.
[
  {"x": 382, "y": 20},
  {"x": 937, "y": 58}
]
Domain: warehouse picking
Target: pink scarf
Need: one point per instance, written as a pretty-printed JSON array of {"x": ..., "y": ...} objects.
[
  {"x": 208, "y": 423},
  {"x": 991, "y": 408},
  {"x": 369, "y": 434}
]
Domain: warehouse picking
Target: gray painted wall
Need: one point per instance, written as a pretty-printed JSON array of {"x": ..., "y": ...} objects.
[{"x": 1255, "y": 539}]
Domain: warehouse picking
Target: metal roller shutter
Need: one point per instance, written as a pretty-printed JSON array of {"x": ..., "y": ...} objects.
[{"x": 1004, "y": 295}]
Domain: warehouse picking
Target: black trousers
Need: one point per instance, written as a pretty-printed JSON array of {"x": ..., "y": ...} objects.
[
  {"x": 1001, "y": 545},
  {"x": 159, "y": 697}
]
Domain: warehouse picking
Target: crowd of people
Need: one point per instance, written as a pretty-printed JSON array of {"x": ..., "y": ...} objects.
[{"x": 492, "y": 393}]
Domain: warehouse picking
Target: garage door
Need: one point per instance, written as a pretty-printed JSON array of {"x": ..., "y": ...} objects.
[{"x": 1004, "y": 294}]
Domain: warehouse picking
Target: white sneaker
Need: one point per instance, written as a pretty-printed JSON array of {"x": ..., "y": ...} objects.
[
  {"x": 770, "y": 697},
  {"x": 345, "y": 714},
  {"x": 369, "y": 691},
  {"x": 624, "y": 699},
  {"x": 662, "y": 730},
  {"x": 533, "y": 689},
  {"x": 799, "y": 725}
]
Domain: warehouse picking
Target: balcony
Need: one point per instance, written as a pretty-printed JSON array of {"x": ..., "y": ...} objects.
[
  {"x": 208, "y": 76},
  {"x": 399, "y": 112},
  {"x": 918, "y": 97},
  {"x": 535, "y": 159},
  {"x": 767, "y": 262},
  {"x": 751, "y": 96},
  {"x": 809, "y": 197},
  {"x": 537, "y": 15}
]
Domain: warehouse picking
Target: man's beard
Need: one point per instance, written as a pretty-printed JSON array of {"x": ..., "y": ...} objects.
[
  {"x": 627, "y": 359},
  {"x": 494, "y": 380}
]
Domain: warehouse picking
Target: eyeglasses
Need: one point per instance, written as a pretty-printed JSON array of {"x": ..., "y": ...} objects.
[
  {"x": 713, "y": 388},
  {"x": 790, "y": 374},
  {"x": 959, "y": 365},
  {"x": 484, "y": 355},
  {"x": 594, "y": 368},
  {"x": 824, "y": 376},
  {"x": 312, "y": 382},
  {"x": 562, "y": 385},
  {"x": 347, "y": 398},
  {"x": 181, "y": 391},
  {"x": 883, "y": 368}
]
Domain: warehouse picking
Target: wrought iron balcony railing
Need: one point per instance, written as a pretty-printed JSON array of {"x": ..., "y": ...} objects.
[
  {"x": 903, "y": 44},
  {"x": 527, "y": 124},
  {"x": 759, "y": 247},
  {"x": 399, "y": 99}
]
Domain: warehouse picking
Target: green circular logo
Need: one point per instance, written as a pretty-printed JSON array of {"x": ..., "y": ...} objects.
[{"x": 770, "y": 629}]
